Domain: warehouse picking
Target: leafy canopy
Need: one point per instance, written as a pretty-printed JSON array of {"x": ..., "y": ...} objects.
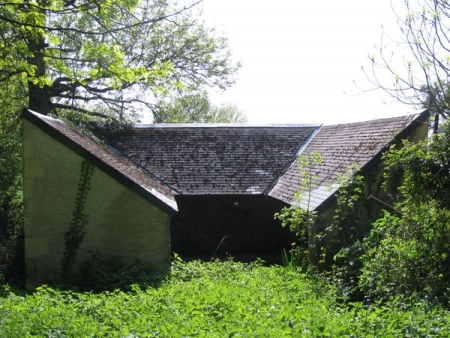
[
  {"x": 194, "y": 106},
  {"x": 82, "y": 54},
  {"x": 99, "y": 64}
]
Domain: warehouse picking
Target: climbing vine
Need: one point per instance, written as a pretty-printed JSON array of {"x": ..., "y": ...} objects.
[{"x": 75, "y": 235}]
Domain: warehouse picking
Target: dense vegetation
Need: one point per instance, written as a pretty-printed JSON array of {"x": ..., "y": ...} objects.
[
  {"x": 389, "y": 281},
  {"x": 405, "y": 250},
  {"x": 388, "y": 278},
  {"x": 219, "y": 299}
]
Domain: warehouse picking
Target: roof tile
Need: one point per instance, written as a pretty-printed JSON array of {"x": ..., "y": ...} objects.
[
  {"x": 340, "y": 147},
  {"x": 219, "y": 159}
]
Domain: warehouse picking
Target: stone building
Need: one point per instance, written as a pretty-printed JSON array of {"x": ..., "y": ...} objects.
[{"x": 197, "y": 190}]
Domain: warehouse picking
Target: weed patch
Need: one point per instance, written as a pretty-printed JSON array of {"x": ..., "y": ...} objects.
[{"x": 216, "y": 299}]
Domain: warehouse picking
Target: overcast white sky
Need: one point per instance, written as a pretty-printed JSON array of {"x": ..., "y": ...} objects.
[{"x": 299, "y": 58}]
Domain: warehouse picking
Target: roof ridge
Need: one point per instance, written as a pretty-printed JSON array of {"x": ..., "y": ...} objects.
[
  {"x": 413, "y": 116},
  {"x": 223, "y": 125}
]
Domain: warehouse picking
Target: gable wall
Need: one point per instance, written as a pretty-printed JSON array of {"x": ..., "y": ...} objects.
[{"x": 120, "y": 222}]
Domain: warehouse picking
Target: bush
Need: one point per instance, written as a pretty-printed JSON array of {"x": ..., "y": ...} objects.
[
  {"x": 409, "y": 255},
  {"x": 103, "y": 274},
  {"x": 407, "y": 252}
]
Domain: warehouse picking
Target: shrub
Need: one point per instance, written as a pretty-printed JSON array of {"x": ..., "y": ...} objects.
[
  {"x": 407, "y": 252},
  {"x": 101, "y": 274}
]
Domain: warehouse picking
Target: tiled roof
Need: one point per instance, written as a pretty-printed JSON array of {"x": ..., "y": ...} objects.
[
  {"x": 109, "y": 160},
  {"x": 341, "y": 146},
  {"x": 233, "y": 159},
  {"x": 215, "y": 159}
]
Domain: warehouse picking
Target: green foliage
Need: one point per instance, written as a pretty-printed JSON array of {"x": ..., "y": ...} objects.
[
  {"x": 107, "y": 60},
  {"x": 11, "y": 195},
  {"x": 346, "y": 232},
  {"x": 194, "y": 106},
  {"x": 341, "y": 238},
  {"x": 75, "y": 235},
  {"x": 299, "y": 221},
  {"x": 345, "y": 228},
  {"x": 298, "y": 216},
  {"x": 408, "y": 252},
  {"x": 409, "y": 256},
  {"x": 217, "y": 299},
  {"x": 103, "y": 59},
  {"x": 100, "y": 274},
  {"x": 104, "y": 128},
  {"x": 117, "y": 55}
]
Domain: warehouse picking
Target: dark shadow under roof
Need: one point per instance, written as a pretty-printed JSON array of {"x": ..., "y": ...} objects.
[
  {"x": 108, "y": 160},
  {"x": 215, "y": 159}
]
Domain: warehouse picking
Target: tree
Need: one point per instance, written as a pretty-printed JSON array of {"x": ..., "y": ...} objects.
[
  {"x": 195, "y": 107},
  {"x": 81, "y": 54},
  {"x": 422, "y": 76},
  {"x": 98, "y": 63},
  {"x": 11, "y": 229}
]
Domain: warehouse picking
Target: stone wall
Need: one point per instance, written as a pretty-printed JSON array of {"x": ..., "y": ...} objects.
[{"x": 120, "y": 222}]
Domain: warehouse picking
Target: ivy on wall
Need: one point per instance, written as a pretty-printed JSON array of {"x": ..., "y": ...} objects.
[{"x": 75, "y": 235}]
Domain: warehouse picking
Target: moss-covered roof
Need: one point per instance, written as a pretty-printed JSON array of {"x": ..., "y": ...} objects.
[
  {"x": 342, "y": 146},
  {"x": 163, "y": 160},
  {"x": 216, "y": 159}
]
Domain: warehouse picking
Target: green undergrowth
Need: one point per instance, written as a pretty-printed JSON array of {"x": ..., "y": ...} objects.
[{"x": 218, "y": 299}]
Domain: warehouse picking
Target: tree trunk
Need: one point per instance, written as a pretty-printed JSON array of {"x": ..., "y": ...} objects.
[
  {"x": 39, "y": 98},
  {"x": 436, "y": 123}
]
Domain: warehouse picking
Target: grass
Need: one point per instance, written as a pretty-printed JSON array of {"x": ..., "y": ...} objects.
[{"x": 219, "y": 299}]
